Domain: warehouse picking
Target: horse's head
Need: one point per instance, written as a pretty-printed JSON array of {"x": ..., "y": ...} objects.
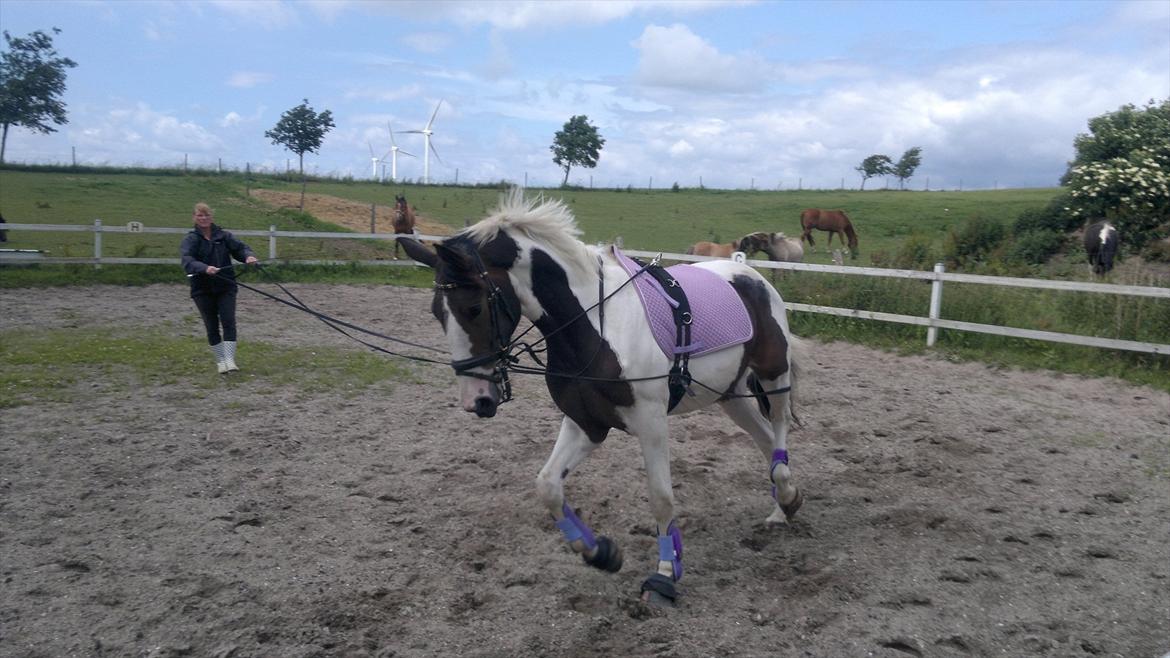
[
  {"x": 478, "y": 309},
  {"x": 753, "y": 242}
]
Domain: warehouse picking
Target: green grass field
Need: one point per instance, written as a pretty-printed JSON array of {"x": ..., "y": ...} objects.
[{"x": 658, "y": 220}]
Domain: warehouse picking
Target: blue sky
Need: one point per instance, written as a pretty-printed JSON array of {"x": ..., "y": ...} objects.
[{"x": 770, "y": 94}]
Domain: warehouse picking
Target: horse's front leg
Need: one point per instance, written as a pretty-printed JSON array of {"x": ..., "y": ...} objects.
[
  {"x": 571, "y": 448},
  {"x": 659, "y": 588}
]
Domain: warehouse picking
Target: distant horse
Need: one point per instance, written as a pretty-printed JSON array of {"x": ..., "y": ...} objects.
[
  {"x": 607, "y": 366},
  {"x": 1101, "y": 246},
  {"x": 748, "y": 244},
  {"x": 403, "y": 219},
  {"x": 779, "y": 247},
  {"x": 833, "y": 221}
]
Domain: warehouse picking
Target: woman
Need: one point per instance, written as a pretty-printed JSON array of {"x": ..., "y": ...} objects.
[{"x": 207, "y": 253}]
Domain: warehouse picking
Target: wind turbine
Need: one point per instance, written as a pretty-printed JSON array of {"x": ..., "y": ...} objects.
[
  {"x": 374, "y": 160},
  {"x": 394, "y": 154},
  {"x": 427, "y": 148}
]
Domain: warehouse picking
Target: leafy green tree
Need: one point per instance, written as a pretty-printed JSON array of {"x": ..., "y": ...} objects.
[
  {"x": 1122, "y": 171},
  {"x": 906, "y": 166},
  {"x": 32, "y": 79},
  {"x": 578, "y": 143},
  {"x": 301, "y": 130},
  {"x": 874, "y": 165}
]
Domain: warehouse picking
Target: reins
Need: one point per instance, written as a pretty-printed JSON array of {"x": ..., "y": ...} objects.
[{"x": 506, "y": 356}]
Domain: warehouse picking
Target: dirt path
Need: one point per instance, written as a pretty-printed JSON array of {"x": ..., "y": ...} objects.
[
  {"x": 350, "y": 214},
  {"x": 953, "y": 509}
]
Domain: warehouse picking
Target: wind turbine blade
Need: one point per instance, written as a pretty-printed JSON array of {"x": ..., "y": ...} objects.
[
  {"x": 401, "y": 152},
  {"x": 383, "y": 158},
  {"x": 435, "y": 152},
  {"x": 416, "y": 132},
  {"x": 433, "y": 115},
  {"x": 392, "y": 142},
  {"x": 371, "y": 149}
]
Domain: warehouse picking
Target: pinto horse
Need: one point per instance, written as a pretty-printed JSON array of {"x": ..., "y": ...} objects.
[
  {"x": 403, "y": 219},
  {"x": 1101, "y": 246},
  {"x": 833, "y": 221},
  {"x": 605, "y": 366}
]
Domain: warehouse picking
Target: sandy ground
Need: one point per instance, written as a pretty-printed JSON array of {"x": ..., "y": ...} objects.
[{"x": 952, "y": 509}]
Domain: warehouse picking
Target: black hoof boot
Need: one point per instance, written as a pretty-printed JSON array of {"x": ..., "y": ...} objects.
[
  {"x": 608, "y": 556},
  {"x": 659, "y": 591}
]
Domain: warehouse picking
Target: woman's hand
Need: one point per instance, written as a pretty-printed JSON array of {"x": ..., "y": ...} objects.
[
  {"x": 251, "y": 260},
  {"x": 212, "y": 270}
]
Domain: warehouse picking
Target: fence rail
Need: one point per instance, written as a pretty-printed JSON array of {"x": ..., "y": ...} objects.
[{"x": 933, "y": 321}]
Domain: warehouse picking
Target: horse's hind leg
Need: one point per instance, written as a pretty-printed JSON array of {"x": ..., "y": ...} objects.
[
  {"x": 771, "y": 436},
  {"x": 571, "y": 448}
]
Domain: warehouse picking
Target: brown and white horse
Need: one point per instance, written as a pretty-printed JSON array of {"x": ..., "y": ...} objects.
[
  {"x": 403, "y": 219},
  {"x": 833, "y": 221},
  {"x": 605, "y": 368}
]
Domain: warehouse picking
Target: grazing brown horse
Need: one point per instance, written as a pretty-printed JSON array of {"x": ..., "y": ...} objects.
[
  {"x": 403, "y": 219},
  {"x": 833, "y": 221}
]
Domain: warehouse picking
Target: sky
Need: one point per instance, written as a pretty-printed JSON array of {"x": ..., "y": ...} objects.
[{"x": 728, "y": 94}]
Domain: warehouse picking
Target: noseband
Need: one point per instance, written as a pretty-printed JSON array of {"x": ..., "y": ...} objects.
[{"x": 499, "y": 353}]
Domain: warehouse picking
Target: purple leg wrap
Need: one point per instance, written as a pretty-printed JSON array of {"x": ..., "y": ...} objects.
[
  {"x": 778, "y": 457},
  {"x": 670, "y": 549},
  {"x": 573, "y": 528}
]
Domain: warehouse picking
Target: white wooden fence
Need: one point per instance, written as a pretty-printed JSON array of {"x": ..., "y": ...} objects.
[{"x": 932, "y": 321}]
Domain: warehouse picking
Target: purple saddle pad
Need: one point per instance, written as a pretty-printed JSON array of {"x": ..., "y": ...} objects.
[{"x": 720, "y": 319}]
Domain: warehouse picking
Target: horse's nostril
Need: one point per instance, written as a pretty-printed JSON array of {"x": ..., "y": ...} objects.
[{"x": 485, "y": 407}]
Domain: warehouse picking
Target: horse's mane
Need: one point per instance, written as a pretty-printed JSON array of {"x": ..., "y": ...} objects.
[{"x": 546, "y": 221}]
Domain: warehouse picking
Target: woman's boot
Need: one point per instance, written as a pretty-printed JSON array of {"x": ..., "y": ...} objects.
[{"x": 220, "y": 353}]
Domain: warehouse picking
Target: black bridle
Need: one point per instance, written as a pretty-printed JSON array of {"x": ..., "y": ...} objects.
[{"x": 499, "y": 353}]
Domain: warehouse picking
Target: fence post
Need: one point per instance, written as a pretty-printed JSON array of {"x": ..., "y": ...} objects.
[
  {"x": 935, "y": 304},
  {"x": 373, "y": 216},
  {"x": 97, "y": 243},
  {"x": 271, "y": 242}
]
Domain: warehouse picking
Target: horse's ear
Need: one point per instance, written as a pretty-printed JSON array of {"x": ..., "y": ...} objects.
[{"x": 419, "y": 252}]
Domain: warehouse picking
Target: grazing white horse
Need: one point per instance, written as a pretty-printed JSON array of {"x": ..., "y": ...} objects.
[{"x": 600, "y": 315}]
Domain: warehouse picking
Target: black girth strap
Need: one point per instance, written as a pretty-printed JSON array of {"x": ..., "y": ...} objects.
[{"x": 679, "y": 379}]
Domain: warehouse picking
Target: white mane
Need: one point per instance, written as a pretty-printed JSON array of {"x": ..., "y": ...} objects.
[{"x": 545, "y": 221}]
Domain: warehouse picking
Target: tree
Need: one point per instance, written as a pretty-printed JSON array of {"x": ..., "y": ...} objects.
[
  {"x": 32, "y": 80},
  {"x": 874, "y": 165},
  {"x": 906, "y": 166},
  {"x": 1122, "y": 171},
  {"x": 301, "y": 130},
  {"x": 578, "y": 143}
]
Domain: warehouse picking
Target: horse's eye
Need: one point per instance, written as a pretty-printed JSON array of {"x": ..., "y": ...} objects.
[{"x": 473, "y": 311}]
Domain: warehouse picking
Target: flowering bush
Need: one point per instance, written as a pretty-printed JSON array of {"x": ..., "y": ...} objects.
[{"x": 1122, "y": 171}]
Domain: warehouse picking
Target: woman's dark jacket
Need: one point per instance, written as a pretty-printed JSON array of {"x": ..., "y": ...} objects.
[{"x": 197, "y": 253}]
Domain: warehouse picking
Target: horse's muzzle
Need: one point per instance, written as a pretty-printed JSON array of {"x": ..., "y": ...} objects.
[
  {"x": 480, "y": 396},
  {"x": 485, "y": 407}
]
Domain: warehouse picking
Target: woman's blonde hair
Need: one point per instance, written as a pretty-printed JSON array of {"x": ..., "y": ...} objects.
[{"x": 203, "y": 208}]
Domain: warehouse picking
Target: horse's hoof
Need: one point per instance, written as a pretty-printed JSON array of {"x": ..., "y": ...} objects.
[
  {"x": 659, "y": 591},
  {"x": 790, "y": 509},
  {"x": 608, "y": 556}
]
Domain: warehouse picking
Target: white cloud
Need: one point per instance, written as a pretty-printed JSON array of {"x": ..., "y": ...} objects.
[
  {"x": 676, "y": 57},
  {"x": 230, "y": 119},
  {"x": 248, "y": 79},
  {"x": 681, "y": 148}
]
